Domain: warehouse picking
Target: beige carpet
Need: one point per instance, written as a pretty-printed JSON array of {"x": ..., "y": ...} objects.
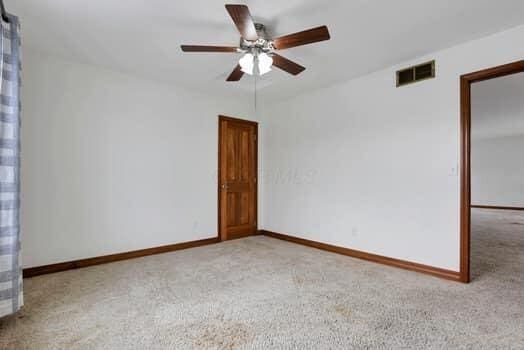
[{"x": 261, "y": 293}]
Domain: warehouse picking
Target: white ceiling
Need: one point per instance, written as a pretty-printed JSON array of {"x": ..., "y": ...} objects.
[
  {"x": 143, "y": 37},
  {"x": 497, "y": 107}
]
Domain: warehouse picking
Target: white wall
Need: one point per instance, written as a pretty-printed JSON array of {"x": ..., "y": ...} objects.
[
  {"x": 371, "y": 167},
  {"x": 114, "y": 163},
  {"x": 497, "y": 171},
  {"x": 497, "y": 141}
]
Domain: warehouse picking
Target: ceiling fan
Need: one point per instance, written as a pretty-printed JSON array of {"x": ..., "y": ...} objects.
[{"x": 258, "y": 49}]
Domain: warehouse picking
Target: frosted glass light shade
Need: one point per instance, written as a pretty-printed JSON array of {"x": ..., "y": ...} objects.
[
  {"x": 247, "y": 63},
  {"x": 264, "y": 63}
]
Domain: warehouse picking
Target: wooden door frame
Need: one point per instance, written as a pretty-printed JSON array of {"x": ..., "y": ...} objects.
[
  {"x": 465, "y": 154},
  {"x": 237, "y": 120}
]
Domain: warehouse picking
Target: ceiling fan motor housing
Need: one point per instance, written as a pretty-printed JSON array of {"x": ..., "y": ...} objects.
[
  {"x": 261, "y": 31},
  {"x": 262, "y": 44}
]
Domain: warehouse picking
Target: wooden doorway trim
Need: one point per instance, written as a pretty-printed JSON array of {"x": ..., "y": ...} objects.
[
  {"x": 254, "y": 125},
  {"x": 465, "y": 154}
]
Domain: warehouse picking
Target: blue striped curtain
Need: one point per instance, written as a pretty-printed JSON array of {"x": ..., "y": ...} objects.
[{"x": 11, "y": 298}]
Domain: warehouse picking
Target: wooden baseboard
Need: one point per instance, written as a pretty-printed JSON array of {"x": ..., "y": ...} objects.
[
  {"x": 496, "y": 207},
  {"x": 76, "y": 264},
  {"x": 430, "y": 270}
]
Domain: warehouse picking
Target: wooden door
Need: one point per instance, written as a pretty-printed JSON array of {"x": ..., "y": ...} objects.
[{"x": 237, "y": 178}]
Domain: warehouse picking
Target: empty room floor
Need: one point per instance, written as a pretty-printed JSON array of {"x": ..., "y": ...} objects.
[{"x": 259, "y": 293}]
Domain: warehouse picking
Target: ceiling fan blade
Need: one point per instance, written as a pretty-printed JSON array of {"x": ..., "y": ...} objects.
[
  {"x": 302, "y": 38},
  {"x": 287, "y": 65},
  {"x": 243, "y": 20},
  {"x": 204, "y": 48},
  {"x": 236, "y": 75}
]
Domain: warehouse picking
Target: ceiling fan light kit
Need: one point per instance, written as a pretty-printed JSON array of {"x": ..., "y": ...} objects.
[
  {"x": 258, "y": 49},
  {"x": 258, "y": 63}
]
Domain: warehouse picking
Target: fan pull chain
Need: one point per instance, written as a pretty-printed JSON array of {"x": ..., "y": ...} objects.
[{"x": 255, "y": 92}]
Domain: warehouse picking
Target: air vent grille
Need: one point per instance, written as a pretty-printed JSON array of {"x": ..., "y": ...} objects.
[{"x": 416, "y": 73}]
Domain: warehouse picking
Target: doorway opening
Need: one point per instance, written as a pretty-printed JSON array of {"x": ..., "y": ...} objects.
[
  {"x": 237, "y": 178},
  {"x": 466, "y": 82}
]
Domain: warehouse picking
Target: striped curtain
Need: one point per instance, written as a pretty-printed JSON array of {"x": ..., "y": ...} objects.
[{"x": 11, "y": 297}]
